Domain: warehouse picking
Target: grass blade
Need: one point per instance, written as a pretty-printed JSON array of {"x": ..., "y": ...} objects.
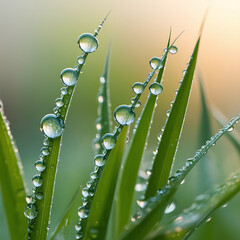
[
  {"x": 168, "y": 145},
  {"x": 104, "y": 123},
  {"x": 39, "y": 226},
  {"x": 184, "y": 224},
  {"x": 151, "y": 214},
  {"x": 11, "y": 181},
  {"x": 102, "y": 202},
  {"x": 125, "y": 193}
]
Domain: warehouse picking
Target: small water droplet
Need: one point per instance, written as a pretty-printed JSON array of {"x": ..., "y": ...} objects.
[
  {"x": 168, "y": 113},
  {"x": 39, "y": 195},
  {"x": 230, "y": 129},
  {"x": 100, "y": 160},
  {"x": 37, "y": 181},
  {"x": 94, "y": 233},
  {"x": 141, "y": 203},
  {"x": 87, "y": 42},
  {"x": 64, "y": 91},
  {"x": 78, "y": 227},
  {"x": 170, "y": 208},
  {"x": 138, "y": 87},
  {"x": 173, "y": 49},
  {"x": 209, "y": 219},
  {"x": 155, "y": 88},
  {"x": 82, "y": 212},
  {"x": 69, "y": 76},
  {"x": 189, "y": 161},
  {"x": 156, "y": 63},
  {"x": 171, "y": 179},
  {"x": 85, "y": 192},
  {"x": 31, "y": 211},
  {"x": 80, "y": 60},
  {"x": 45, "y": 151},
  {"x": 138, "y": 104},
  {"x": 102, "y": 80},
  {"x": 98, "y": 126},
  {"x": 100, "y": 99},
  {"x": 93, "y": 175},
  {"x": 225, "y": 205},
  {"x": 30, "y": 199},
  {"x": 79, "y": 235},
  {"x": 139, "y": 187},
  {"x": 124, "y": 115},
  {"x": 183, "y": 181},
  {"x": 40, "y": 166},
  {"x": 52, "y": 126},
  {"x": 88, "y": 184},
  {"x": 109, "y": 141},
  {"x": 59, "y": 102}
]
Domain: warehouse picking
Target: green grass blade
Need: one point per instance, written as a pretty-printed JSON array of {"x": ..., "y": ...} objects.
[
  {"x": 234, "y": 137},
  {"x": 168, "y": 145},
  {"x": 151, "y": 214},
  {"x": 102, "y": 202},
  {"x": 125, "y": 193},
  {"x": 64, "y": 227},
  {"x": 104, "y": 123},
  {"x": 11, "y": 181},
  {"x": 184, "y": 224},
  {"x": 40, "y": 224}
]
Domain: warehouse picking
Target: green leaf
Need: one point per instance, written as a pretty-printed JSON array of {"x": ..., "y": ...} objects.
[
  {"x": 168, "y": 145},
  {"x": 184, "y": 224},
  {"x": 104, "y": 112},
  {"x": 103, "y": 198},
  {"x": 127, "y": 182},
  {"x": 152, "y": 213},
  {"x": 66, "y": 224},
  {"x": 11, "y": 181}
]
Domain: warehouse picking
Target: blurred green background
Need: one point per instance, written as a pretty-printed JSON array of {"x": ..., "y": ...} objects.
[{"x": 39, "y": 39}]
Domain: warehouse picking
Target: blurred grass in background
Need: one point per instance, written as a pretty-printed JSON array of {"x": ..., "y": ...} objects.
[{"x": 39, "y": 39}]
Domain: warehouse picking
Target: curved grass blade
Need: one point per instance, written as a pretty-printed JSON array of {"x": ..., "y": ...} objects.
[
  {"x": 151, "y": 215},
  {"x": 104, "y": 123},
  {"x": 168, "y": 145},
  {"x": 65, "y": 225},
  {"x": 38, "y": 227},
  {"x": 127, "y": 182},
  {"x": 102, "y": 202},
  {"x": 221, "y": 120},
  {"x": 184, "y": 224},
  {"x": 11, "y": 181}
]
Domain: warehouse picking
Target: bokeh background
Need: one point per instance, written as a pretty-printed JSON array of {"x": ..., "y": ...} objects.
[{"x": 39, "y": 39}]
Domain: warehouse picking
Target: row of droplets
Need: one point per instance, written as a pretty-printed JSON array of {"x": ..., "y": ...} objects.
[
  {"x": 52, "y": 125},
  {"x": 123, "y": 115}
]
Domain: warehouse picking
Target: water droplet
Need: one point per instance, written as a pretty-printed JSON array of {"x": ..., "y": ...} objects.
[
  {"x": 79, "y": 235},
  {"x": 78, "y": 227},
  {"x": 171, "y": 179},
  {"x": 40, "y": 166},
  {"x": 102, "y": 80},
  {"x": 87, "y": 42},
  {"x": 37, "y": 181},
  {"x": 138, "y": 87},
  {"x": 64, "y": 91},
  {"x": 31, "y": 211},
  {"x": 30, "y": 199},
  {"x": 183, "y": 181},
  {"x": 155, "y": 88},
  {"x": 100, "y": 160},
  {"x": 69, "y": 76},
  {"x": 82, "y": 212},
  {"x": 100, "y": 99},
  {"x": 138, "y": 104},
  {"x": 45, "y": 151},
  {"x": 80, "y": 60},
  {"x": 168, "y": 113},
  {"x": 141, "y": 203},
  {"x": 173, "y": 49},
  {"x": 94, "y": 233},
  {"x": 230, "y": 129},
  {"x": 59, "y": 102},
  {"x": 93, "y": 175},
  {"x": 124, "y": 115},
  {"x": 139, "y": 187},
  {"x": 170, "y": 208},
  {"x": 109, "y": 141},
  {"x": 39, "y": 195},
  {"x": 85, "y": 192},
  {"x": 209, "y": 219},
  {"x": 98, "y": 126},
  {"x": 189, "y": 161},
  {"x": 156, "y": 63},
  {"x": 52, "y": 126},
  {"x": 88, "y": 184}
]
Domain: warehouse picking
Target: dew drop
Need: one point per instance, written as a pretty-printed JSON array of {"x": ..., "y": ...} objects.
[
  {"x": 52, "y": 126},
  {"x": 102, "y": 80},
  {"x": 189, "y": 161},
  {"x": 79, "y": 235},
  {"x": 39, "y": 195},
  {"x": 37, "y": 181},
  {"x": 138, "y": 104},
  {"x": 40, "y": 166},
  {"x": 99, "y": 160},
  {"x": 173, "y": 49},
  {"x": 31, "y": 211},
  {"x": 138, "y": 87},
  {"x": 141, "y": 203},
  {"x": 170, "y": 208},
  {"x": 78, "y": 227},
  {"x": 93, "y": 175},
  {"x": 30, "y": 199},
  {"x": 139, "y": 187},
  {"x": 80, "y": 60},
  {"x": 59, "y": 102},
  {"x": 64, "y": 91},
  {"x": 85, "y": 192},
  {"x": 156, "y": 63},
  {"x": 168, "y": 113},
  {"x": 87, "y": 42},
  {"x": 88, "y": 184},
  {"x": 94, "y": 233},
  {"x": 69, "y": 76},
  {"x": 230, "y": 129},
  {"x": 108, "y": 141},
  {"x": 124, "y": 115},
  {"x": 82, "y": 212},
  {"x": 100, "y": 99},
  {"x": 155, "y": 88},
  {"x": 45, "y": 151}
]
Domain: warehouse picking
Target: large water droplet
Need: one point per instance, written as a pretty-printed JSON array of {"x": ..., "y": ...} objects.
[
  {"x": 124, "y": 115},
  {"x": 37, "y": 181},
  {"x": 87, "y": 42},
  {"x": 40, "y": 166},
  {"x": 31, "y": 211},
  {"x": 99, "y": 160},
  {"x": 155, "y": 88},
  {"x": 69, "y": 76},
  {"x": 82, "y": 212},
  {"x": 173, "y": 49},
  {"x": 156, "y": 63},
  {"x": 138, "y": 87},
  {"x": 52, "y": 126},
  {"x": 108, "y": 141}
]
